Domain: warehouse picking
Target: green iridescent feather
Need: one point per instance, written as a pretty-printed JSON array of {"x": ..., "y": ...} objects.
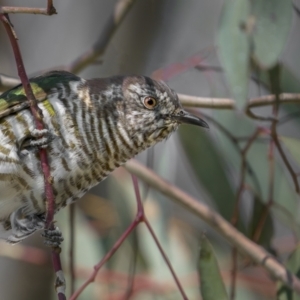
[{"x": 15, "y": 99}]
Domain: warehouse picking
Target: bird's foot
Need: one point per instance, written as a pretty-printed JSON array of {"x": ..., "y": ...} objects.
[{"x": 53, "y": 237}]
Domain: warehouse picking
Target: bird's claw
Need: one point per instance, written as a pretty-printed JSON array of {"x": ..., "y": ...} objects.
[{"x": 53, "y": 237}]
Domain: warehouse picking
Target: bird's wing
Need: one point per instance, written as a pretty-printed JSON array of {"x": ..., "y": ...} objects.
[{"x": 15, "y": 99}]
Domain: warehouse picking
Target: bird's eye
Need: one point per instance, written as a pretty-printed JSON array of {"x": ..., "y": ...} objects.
[{"x": 150, "y": 102}]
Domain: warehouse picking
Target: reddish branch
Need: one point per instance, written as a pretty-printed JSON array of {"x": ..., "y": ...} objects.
[
  {"x": 139, "y": 218},
  {"x": 72, "y": 248},
  {"x": 230, "y": 233},
  {"x": 38, "y": 119},
  {"x": 37, "y": 115},
  {"x": 235, "y": 216}
]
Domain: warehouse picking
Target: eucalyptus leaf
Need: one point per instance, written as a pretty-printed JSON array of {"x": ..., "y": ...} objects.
[
  {"x": 272, "y": 24},
  {"x": 234, "y": 47},
  {"x": 211, "y": 283},
  {"x": 208, "y": 165},
  {"x": 289, "y": 83},
  {"x": 257, "y": 175}
]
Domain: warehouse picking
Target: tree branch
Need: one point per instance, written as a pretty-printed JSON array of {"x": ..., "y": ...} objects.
[
  {"x": 231, "y": 234},
  {"x": 48, "y": 179},
  {"x": 28, "y": 10},
  {"x": 203, "y": 102},
  {"x": 121, "y": 9},
  {"x": 268, "y": 100},
  {"x": 49, "y": 10}
]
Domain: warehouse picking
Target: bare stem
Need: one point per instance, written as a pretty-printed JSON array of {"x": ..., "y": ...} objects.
[
  {"x": 49, "y": 10},
  {"x": 121, "y": 9},
  {"x": 204, "y": 102},
  {"x": 138, "y": 219},
  {"x": 286, "y": 161},
  {"x": 145, "y": 220},
  {"x": 72, "y": 247},
  {"x": 235, "y": 216},
  {"x": 27, "y": 10},
  {"x": 38, "y": 118},
  {"x": 229, "y": 232}
]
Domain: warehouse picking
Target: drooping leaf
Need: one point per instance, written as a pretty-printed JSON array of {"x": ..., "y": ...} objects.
[
  {"x": 272, "y": 24},
  {"x": 234, "y": 47},
  {"x": 289, "y": 83},
  {"x": 211, "y": 283},
  {"x": 209, "y": 167}
]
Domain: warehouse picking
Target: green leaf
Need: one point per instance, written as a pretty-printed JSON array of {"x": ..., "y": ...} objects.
[
  {"x": 267, "y": 230},
  {"x": 293, "y": 265},
  {"x": 289, "y": 83},
  {"x": 293, "y": 145},
  {"x": 272, "y": 24},
  {"x": 211, "y": 283},
  {"x": 234, "y": 47},
  {"x": 257, "y": 157},
  {"x": 209, "y": 167}
]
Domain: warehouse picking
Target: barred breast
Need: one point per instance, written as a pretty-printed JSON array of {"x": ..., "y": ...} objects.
[{"x": 87, "y": 143}]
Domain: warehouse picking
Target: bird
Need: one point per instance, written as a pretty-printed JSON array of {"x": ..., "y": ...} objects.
[{"x": 92, "y": 126}]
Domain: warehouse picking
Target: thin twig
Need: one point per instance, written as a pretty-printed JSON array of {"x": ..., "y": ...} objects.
[
  {"x": 204, "y": 102},
  {"x": 49, "y": 10},
  {"x": 235, "y": 215},
  {"x": 267, "y": 100},
  {"x": 72, "y": 247},
  {"x": 293, "y": 174},
  {"x": 38, "y": 119},
  {"x": 235, "y": 141},
  {"x": 112, "y": 251},
  {"x": 121, "y": 9},
  {"x": 28, "y": 10},
  {"x": 140, "y": 217},
  {"x": 231, "y": 234},
  {"x": 201, "y": 102},
  {"x": 161, "y": 250}
]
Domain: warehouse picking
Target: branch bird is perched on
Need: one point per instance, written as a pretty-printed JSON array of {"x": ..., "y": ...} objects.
[{"x": 93, "y": 126}]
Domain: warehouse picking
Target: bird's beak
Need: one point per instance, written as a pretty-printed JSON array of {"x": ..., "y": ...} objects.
[{"x": 188, "y": 118}]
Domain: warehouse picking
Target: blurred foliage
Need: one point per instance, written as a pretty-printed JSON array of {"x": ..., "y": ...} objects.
[
  {"x": 251, "y": 37},
  {"x": 212, "y": 286},
  {"x": 293, "y": 265}
]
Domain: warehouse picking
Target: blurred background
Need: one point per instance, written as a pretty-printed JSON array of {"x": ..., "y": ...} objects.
[{"x": 185, "y": 44}]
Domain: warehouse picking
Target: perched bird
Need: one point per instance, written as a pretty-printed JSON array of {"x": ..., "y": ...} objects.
[{"x": 92, "y": 127}]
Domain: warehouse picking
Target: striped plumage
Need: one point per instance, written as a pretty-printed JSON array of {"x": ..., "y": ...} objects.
[{"x": 94, "y": 126}]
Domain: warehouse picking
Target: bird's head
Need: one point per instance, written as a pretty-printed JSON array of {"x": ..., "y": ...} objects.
[{"x": 153, "y": 110}]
